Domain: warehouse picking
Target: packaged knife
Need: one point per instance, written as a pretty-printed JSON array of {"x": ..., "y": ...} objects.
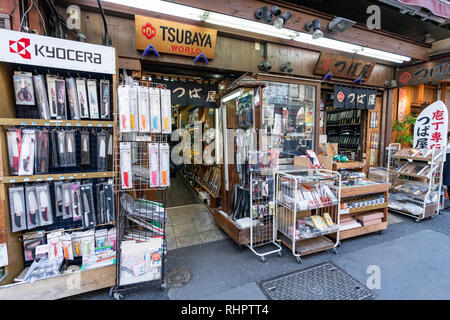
[
  {"x": 61, "y": 108},
  {"x": 23, "y": 88},
  {"x": 134, "y": 111},
  {"x": 144, "y": 109},
  {"x": 126, "y": 176},
  {"x": 77, "y": 238},
  {"x": 59, "y": 204},
  {"x": 101, "y": 205},
  {"x": 76, "y": 199},
  {"x": 109, "y": 203},
  {"x": 51, "y": 94},
  {"x": 88, "y": 243},
  {"x": 166, "y": 111},
  {"x": 54, "y": 161},
  {"x": 82, "y": 98},
  {"x": 30, "y": 241},
  {"x": 33, "y": 220},
  {"x": 101, "y": 150},
  {"x": 41, "y": 97},
  {"x": 104, "y": 99},
  {"x": 87, "y": 201},
  {"x": 14, "y": 140},
  {"x": 42, "y": 151},
  {"x": 71, "y": 157},
  {"x": 164, "y": 164},
  {"x": 17, "y": 208},
  {"x": 85, "y": 154},
  {"x": 61, "y": 135},
  {"x": 67, "y": 200},
  {"x": 27, "y": 149},
  {"x": 93, "y": 98},
  {"x": 155, "y": 110},
  {"x": 123, "y": 94},
  {"x": 153, "y": 164},
  {"x": 110, "y": 153},
  {"x": 72, "y": 98},
  {"x": 44, "y": 204},
  {"x": 55, "y": 249}
]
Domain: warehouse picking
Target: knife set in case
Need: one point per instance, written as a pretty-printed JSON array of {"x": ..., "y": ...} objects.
[
  {"x": 105, "y": 203},
  {"x": 66, "y": 148},
  {"x": 35, "y": 203}
]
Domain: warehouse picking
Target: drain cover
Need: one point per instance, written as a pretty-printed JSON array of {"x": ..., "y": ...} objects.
[
  {"x": 179, "y": 277},
  {"x": 324, "y": 281}
]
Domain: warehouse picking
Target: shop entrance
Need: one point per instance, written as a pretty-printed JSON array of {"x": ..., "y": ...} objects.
[{"x": 195, "y": 184}]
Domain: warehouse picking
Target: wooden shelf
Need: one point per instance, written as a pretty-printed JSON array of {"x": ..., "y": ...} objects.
[
  {"x": 359, "y": 190},
  {"x": 428, "y": 159},
  {"x": 309, "y": 246},
  {"x": 56, "y": 177},
  {"x": 347, "y": 165},
  {"x": 55, "y": 123},
  {"x": 363, "y": 209},
  {"x": 354, "y": 232},
  {"x": 408, "y": 174}
]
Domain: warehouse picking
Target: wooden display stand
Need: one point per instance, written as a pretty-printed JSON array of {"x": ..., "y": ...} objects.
[
  {"x": 59, "y": 286},
  {"x": 348, "y": 192}
]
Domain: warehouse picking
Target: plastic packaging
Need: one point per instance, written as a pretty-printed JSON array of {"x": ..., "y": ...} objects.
[
  {"x": 41, "y": 97},
  {"x": 44, "y": 204},
  {"x": 23, "y": 88},
  {"x": 27, "y": 149},
  {"x": 33, "y": 218},
  {"x": 82, "y": 98},
  {"x": 93, "y": 98},
  {"x": 104, "y": 99},
  {"x": 72, "y": 98},
  {"x": 17, "y": 208}
]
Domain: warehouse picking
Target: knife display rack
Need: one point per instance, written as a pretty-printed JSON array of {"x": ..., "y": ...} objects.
[
  {"x": 140, "y": 185},
  {"x": 28, "y": 117}
]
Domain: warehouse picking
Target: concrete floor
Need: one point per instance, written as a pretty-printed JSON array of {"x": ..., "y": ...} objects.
[{"x": 412, "y": 258}]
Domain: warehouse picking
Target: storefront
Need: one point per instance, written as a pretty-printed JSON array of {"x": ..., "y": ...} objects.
[{"x": 255, "y": 122}]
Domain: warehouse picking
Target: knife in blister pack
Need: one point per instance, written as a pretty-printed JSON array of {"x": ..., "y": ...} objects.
[
  {"x": 33, "y": 208},
  {"x": 87, "y": 210},
  {"x": 18, "y": 209},
  {"x": 59, "y": 200},
  {"x": 44, "y": 205},
  {"x": 62, "y": 148},
  {"x": 76, "y": 209},
  {"x": 67, "y": 212}
]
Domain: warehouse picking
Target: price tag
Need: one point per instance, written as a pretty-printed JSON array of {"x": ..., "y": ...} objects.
[
  {"x": 57, "y": 123},
  {"x": 38, "y": 179},
  {"x": 24, "y": 123},
  {"x": 50, "y": 178},
  {"x": 99, "y": 125},
  {"x": 68, "y": 124},
  {"x": 70, "y": 177},
  {"x": 62, "y": 178},
  {"x": 109, "y": 125},
  {"x": 12, "y": 180},
  {"x": 47, "y": 123},
  {"x": 26, "y": 179},
  {"x": 34, "y": 123},
  {"x": 78, "y": 124},
  {"x": 89, "y": 124}
]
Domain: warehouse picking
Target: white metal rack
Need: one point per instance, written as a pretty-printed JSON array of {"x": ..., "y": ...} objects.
[
  {"x": 290, "y": 205},
  {"x": 408, "y": 194},
  {"x": 262, "y": 208}
]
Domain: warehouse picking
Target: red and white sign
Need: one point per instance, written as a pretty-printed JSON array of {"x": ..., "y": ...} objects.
[
  {"x": 36, "y": 50},
  {"x": 430, "y": 130},
  {"x": 340, "y": 96}
]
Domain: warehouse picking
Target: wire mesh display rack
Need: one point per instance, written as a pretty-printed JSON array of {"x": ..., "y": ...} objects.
[
  {"x": 307, "y": 210},
  {"x": 141, "y": 206},
  {"x": 405, "y": 196},
  {"x": 262, "y": 207}
]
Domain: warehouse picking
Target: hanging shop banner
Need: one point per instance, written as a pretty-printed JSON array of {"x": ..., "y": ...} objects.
[
  {"x": 343, "y": 67},
  {"x": 192, "y": 93},
  {"x": 354, "y": 97},
  {"x": 425, "y": 72},
  {"x": 430, "y": 130},
  {"x": 35, "y": 50},
  {"x": 173, "y": 37}
]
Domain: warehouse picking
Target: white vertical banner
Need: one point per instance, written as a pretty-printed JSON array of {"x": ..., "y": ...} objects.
[{"x": 430, "y": 130}]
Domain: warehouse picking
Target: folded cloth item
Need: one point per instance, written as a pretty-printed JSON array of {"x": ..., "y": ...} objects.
[{"x": 143, "y": 208}]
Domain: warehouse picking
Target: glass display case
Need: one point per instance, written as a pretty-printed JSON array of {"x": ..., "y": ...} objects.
[{"x": 289, "y": 116}]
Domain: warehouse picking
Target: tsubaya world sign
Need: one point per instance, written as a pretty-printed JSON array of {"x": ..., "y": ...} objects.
[
  {"x": 36, "y": 50},
  {"x": 430, "y": 130},
  {"x": 172, "y": 37}
]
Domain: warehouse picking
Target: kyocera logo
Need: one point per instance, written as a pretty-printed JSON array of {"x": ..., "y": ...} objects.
[
  {"x": 52, "y": 52},
  {"x": 20, "y": 47}
]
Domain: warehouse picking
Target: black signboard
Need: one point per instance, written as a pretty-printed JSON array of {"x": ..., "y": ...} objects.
[
  {"x": 348, "y": 97},
  {"x": 189, "y": 93}
]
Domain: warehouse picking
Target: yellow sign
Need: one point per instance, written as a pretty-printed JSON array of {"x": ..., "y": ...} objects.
[{"x": 172, "y": 37}]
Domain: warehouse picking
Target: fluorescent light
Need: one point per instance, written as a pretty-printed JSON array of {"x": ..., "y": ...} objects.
[
  {"x": 224, "y": 20},
  {"x": 232, "y": 95}
]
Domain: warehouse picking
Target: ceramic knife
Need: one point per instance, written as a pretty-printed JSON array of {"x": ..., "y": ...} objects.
[
  {"x": 33, "y": 207},
  {"x": 26, "y": 149},
  {"x": 59, "y": 202},
  {"x": 70, "y": 151},
  {"x": 75, "y": 205},
  {"x": 18, "y": 209},
  {"x": 85, "y": 150},
  {"x": 44, "y": 205},
  {"x": 16, "y": 142},
  {"x": 87, "y": 210},
  {"x": 62, "y": 147},
  {"x": 67, "y": 203},
  {"x": 102, "y": 154}
]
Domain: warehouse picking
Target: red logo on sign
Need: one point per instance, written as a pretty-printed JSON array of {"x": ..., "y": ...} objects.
[
  {"x": 148, "y": 30},
  {"x": 20, "y": 47},
  {"x": 404, "y": 78},
  {"x": 156, "y": 256},
  {"x": 340, "y": 96},
  {"x": 326, "y": 64}
]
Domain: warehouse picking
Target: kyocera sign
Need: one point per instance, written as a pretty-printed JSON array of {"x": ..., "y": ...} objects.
[
  {"x": 32, "y": 49},
  {"x": 172, "y": 37}
]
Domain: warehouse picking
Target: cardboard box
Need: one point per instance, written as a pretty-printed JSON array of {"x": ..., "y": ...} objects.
[
  {"x": 303, "y": 161},
  {"x": 371, "y": 222},
  {"x": 365, "y": 217}
]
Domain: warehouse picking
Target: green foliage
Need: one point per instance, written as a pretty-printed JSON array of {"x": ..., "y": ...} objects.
[{"x": 404, "y": 129}]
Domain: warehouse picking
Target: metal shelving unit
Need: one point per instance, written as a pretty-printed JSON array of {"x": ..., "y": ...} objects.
[
  {"x": 294, "y": 209},
  {"x": 410, "y": 194}
]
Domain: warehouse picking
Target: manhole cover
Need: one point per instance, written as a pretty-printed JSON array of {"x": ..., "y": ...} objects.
[
  {"x": 178, "y": 277},
  {"x": 321, "y": 282}
]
